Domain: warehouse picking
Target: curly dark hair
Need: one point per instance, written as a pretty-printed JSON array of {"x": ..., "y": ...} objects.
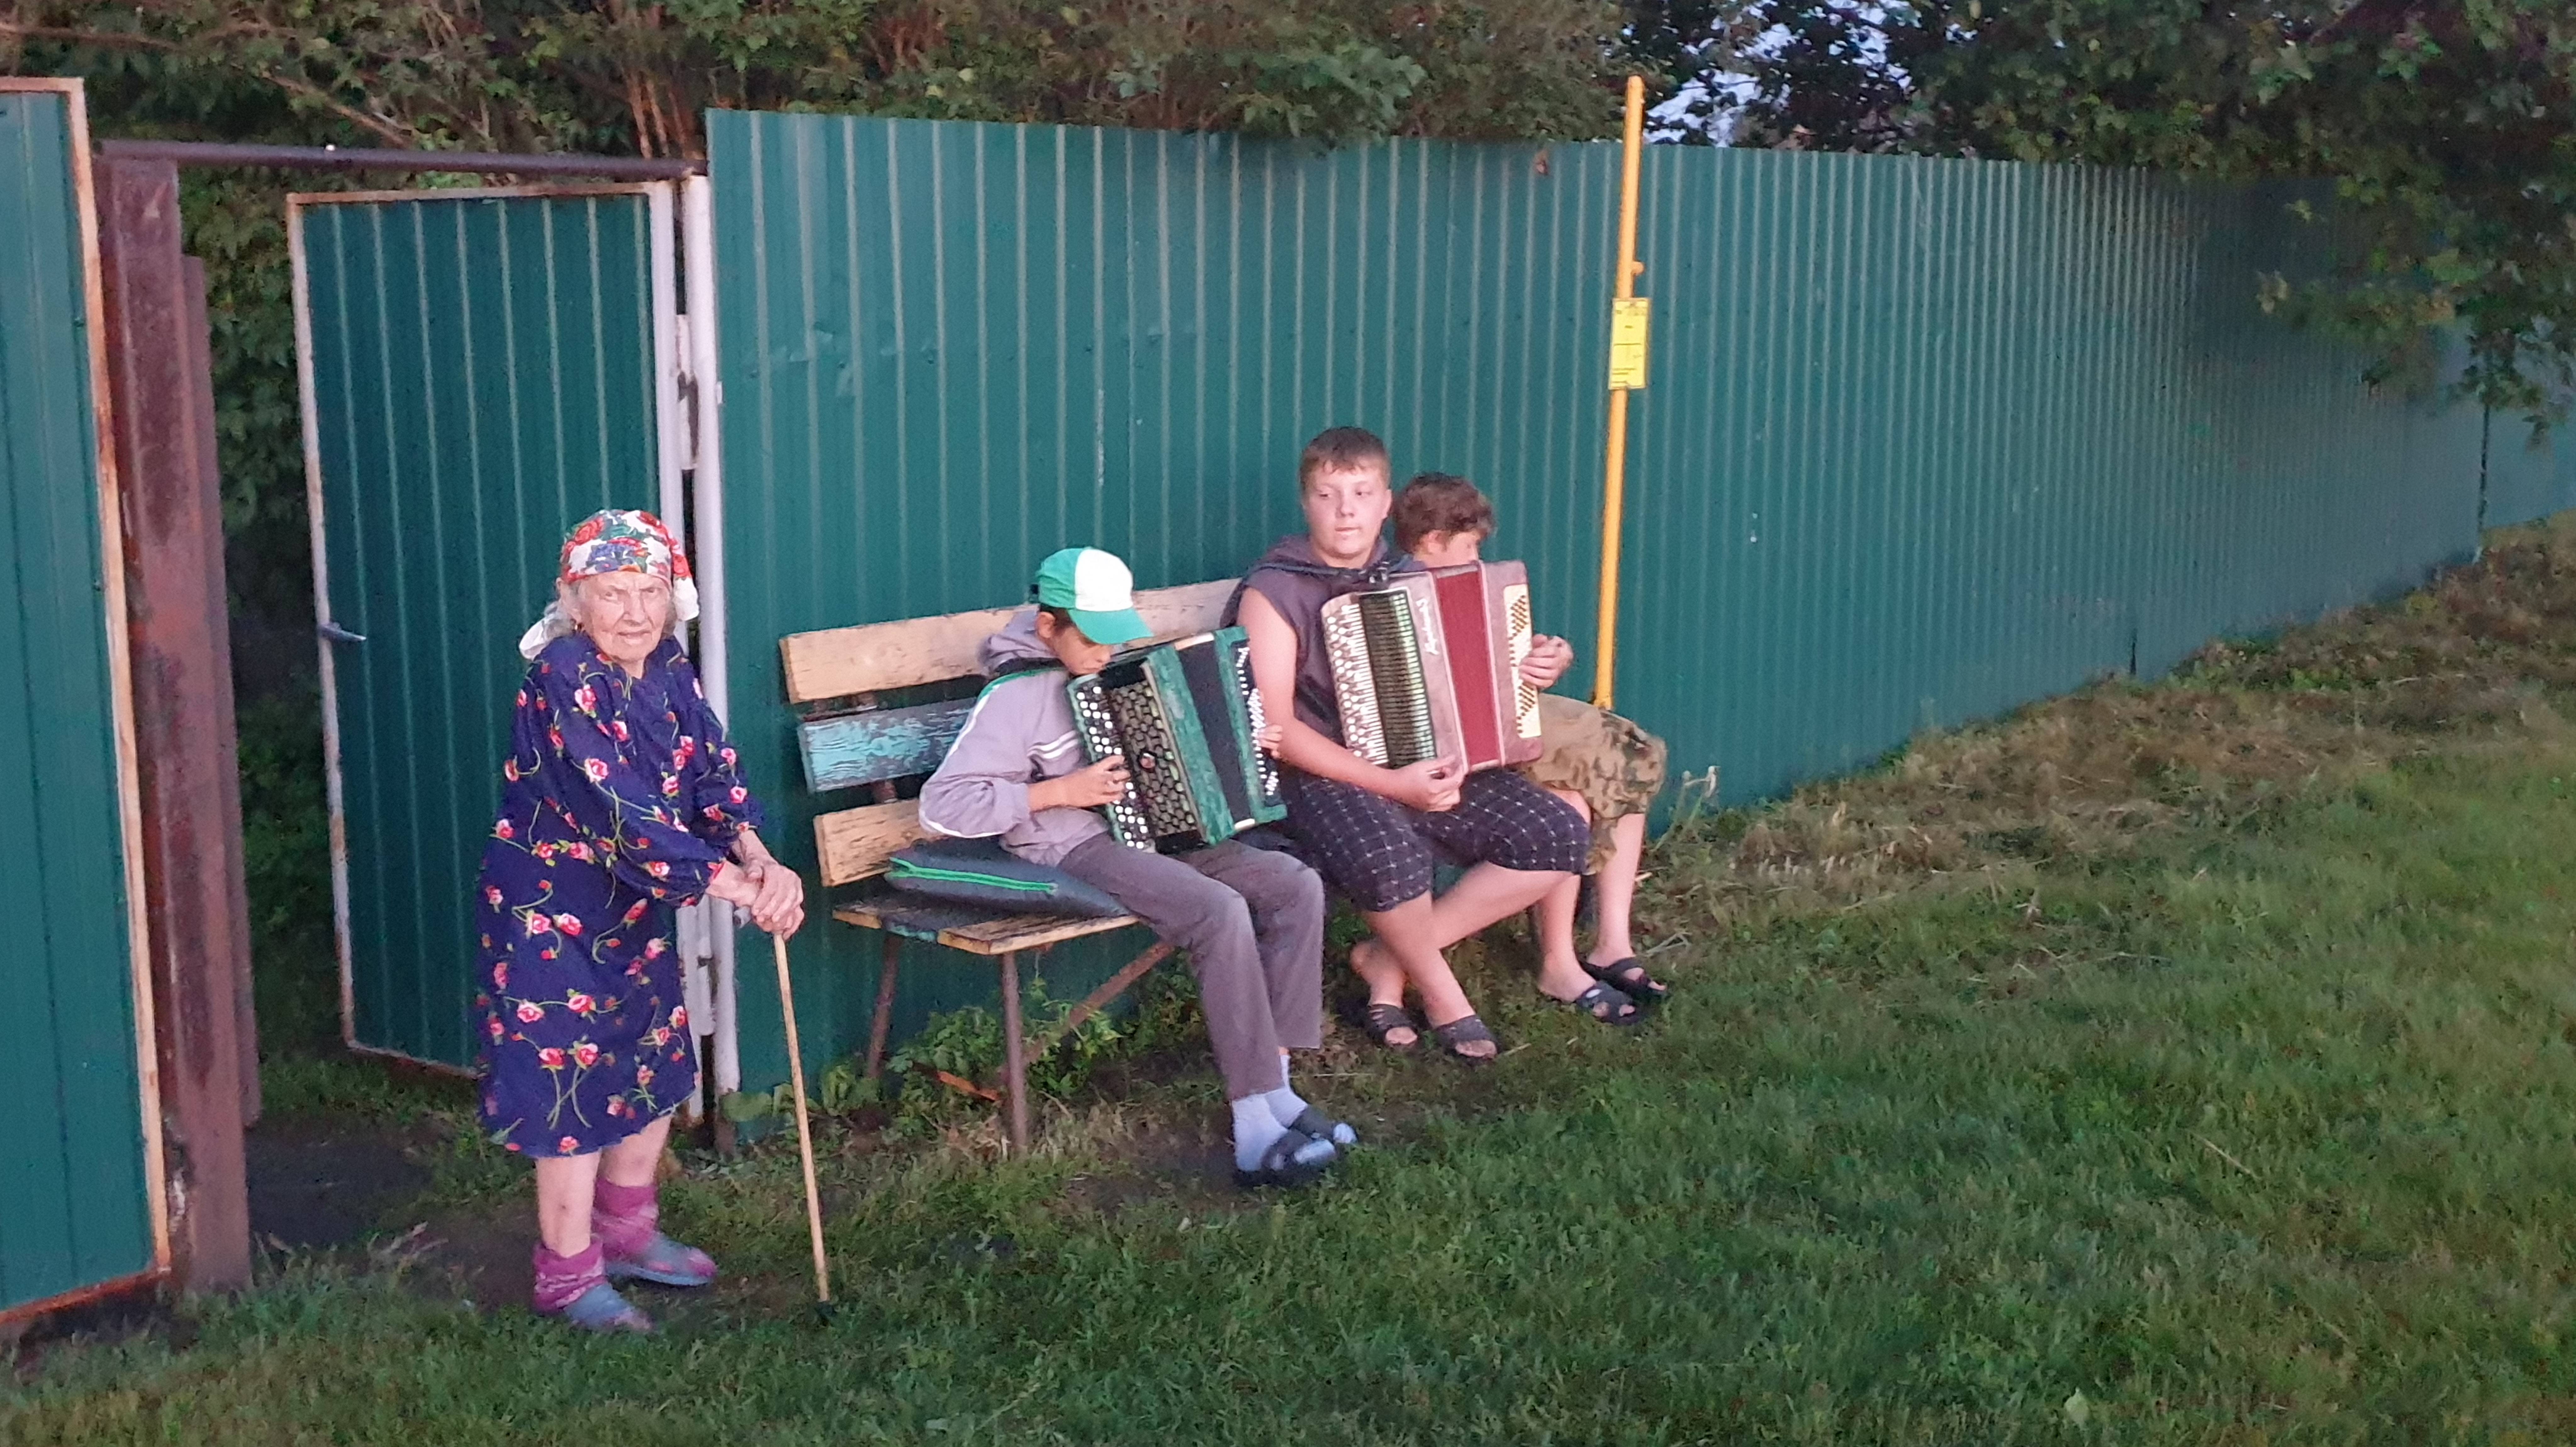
[{"x": 1436, "y": 502}]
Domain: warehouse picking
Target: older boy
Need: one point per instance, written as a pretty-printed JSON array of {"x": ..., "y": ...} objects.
[
  {"x": 1251, "y": 921},
  {"x": 1605, "y": 766},
  {"x": 1374, "y": 832}
]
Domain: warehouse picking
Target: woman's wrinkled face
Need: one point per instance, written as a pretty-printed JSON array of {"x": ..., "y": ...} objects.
[{"x": 627, "y": 615}]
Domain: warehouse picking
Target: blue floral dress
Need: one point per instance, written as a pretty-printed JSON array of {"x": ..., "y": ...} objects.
[{"x": 620, "y": 797}]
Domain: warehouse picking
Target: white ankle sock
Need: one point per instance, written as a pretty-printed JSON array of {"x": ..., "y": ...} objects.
[{"x": 1255, "y": 1129}]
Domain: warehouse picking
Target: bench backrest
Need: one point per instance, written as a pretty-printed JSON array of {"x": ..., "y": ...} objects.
[{"x": 857, "y": 743}]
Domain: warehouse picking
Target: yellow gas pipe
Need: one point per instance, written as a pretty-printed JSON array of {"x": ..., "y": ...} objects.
[{"x": 1627, "y": 370}]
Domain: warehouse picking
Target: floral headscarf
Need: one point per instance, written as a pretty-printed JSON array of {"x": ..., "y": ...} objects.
[{"x": 618, "y": 540}]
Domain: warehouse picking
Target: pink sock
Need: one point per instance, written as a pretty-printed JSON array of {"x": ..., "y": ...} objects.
[
  {"x": 562, "y": 1279},
  {"x": 625, "y": 1218}
]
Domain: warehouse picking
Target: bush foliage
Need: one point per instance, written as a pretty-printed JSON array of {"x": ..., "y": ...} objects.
[{"x": 2448, "y": 131}]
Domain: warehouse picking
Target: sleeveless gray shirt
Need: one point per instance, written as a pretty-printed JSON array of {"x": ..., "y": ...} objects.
[{"x": 1299, "y": 585}]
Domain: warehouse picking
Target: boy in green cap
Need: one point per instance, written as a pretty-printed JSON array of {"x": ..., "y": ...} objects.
[{"x": 1251, "y": 921}]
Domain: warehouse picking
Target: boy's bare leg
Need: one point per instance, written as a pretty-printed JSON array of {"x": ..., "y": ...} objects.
[
  {"x": 1399, "y": 951},
  {"x": 1413, "y": 934},
  {"x": 1615, "y": 893},
  {"x": 1487, "y": 893},
  {"x": 1560, "y": 967}
]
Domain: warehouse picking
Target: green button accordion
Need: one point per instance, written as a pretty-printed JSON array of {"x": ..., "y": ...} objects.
[{"x": 1187, "y": 719}]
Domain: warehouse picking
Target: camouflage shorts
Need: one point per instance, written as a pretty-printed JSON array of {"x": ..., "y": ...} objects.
[{"x": 1616, "y": 766}]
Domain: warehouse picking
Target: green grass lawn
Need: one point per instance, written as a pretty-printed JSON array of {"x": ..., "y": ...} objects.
[
  {"x": 2179, "y": 1063},
  {"x": 2253, "y": 1133}
]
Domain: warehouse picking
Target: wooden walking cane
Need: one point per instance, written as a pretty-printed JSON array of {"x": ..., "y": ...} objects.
[{"x": 804, "y": 1135}]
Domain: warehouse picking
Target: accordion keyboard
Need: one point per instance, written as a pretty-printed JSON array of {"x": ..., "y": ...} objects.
[
  {"x": 1378, "y": 681},
  {"x": 1395, "y": 670}
]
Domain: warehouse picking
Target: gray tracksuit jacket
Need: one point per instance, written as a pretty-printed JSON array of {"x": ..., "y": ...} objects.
[{"x": 1021, "y": 731}]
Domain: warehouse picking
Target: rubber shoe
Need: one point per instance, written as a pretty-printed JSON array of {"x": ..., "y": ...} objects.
[
  {"x": 664, "y": 1262},
  {"x": 601, "y": 1309}
]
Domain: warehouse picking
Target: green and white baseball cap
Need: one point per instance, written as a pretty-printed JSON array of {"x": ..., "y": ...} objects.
[{"x": 1097, "y": 590}]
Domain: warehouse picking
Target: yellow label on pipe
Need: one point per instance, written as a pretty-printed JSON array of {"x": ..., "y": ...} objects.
[{"x": 1630, "y": 320}]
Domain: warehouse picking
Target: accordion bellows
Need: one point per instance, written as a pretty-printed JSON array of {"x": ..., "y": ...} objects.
[
  {"x": 1428, "y": 667},
  {"x": 1186, "y": 717}
]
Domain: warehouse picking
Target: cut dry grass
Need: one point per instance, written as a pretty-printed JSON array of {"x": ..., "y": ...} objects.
[{"x": 2471, "y": 661}]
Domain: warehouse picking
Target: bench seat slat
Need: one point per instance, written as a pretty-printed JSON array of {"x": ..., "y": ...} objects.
[
  {"x": 856, "y": 843},
  {"x": 871, "y": 748},
  {"x": 965, "y": 927}
]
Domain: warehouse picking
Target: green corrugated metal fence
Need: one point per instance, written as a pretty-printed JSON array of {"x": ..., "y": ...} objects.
[
  {"x": 1928, "y": 439},
  {"x": 74, "y": 1208},
  {"x": 482, "y": 378},
  {"x": 1925, "y": 438},
  {"x": 949, "y": 349}
]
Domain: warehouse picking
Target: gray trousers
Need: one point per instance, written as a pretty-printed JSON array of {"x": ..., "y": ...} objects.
[{"x": 1252, "y": 923}]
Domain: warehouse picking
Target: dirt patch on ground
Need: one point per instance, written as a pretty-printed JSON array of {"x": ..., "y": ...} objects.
[
  {"x": 1162, "y": 1163},
  {"x": 326, "y": 1181},
  {"x": 333, "y": 1185},
  {"x": 352, "y": 1189}
]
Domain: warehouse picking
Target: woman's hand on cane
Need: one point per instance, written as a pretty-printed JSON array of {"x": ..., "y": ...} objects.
[
  {"x": 780, "y": 907},
  {"x": 769, "y": 891},
  {"x": 777, "y": 902}
]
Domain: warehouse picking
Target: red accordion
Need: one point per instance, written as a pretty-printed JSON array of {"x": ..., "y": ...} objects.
[{"x": 1429, "y": 667}]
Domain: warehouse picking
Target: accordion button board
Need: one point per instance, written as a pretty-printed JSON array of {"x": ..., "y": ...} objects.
[
  {"x": 1265, "y": 769},
  {"x": 1185, "y": 717},
  {"x": 1521, "y": 623}
]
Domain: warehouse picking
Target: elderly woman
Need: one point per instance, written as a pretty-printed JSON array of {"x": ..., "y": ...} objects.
[{"x": 621, "y": 800}]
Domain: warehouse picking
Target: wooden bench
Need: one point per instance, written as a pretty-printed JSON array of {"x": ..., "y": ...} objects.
[{"x": 862, "y": 731}]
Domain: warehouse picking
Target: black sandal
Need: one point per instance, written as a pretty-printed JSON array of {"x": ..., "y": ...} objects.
[
  {"x": 1337, "y": 1134},
  {"x": 1604, "y": 1004},
  {"x": 1382, "y": 1018},
  {"x": 1629, "y": 978},
  {"x": 1466, "y": 1030},
  {"x": 1280, "y": 1167}
]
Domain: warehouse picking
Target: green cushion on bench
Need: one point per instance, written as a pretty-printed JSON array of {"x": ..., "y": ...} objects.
[{"x": 981, "y": 872}]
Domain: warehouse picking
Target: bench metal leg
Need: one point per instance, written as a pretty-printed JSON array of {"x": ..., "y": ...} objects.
[
  {"x": 1098, "y": 1000},
  {"x": 892, "y": 949},
  {"x": 1015, "y": 1057},
  {"x": 883, "y": 792}
]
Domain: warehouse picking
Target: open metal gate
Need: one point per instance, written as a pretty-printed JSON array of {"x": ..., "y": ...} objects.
[
  {"x": 82, "y": 1208},
  {"x": 480, "y": 370}
]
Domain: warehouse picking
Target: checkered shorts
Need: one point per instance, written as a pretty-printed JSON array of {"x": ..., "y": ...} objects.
[{"x": 1379, "y": 853}]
